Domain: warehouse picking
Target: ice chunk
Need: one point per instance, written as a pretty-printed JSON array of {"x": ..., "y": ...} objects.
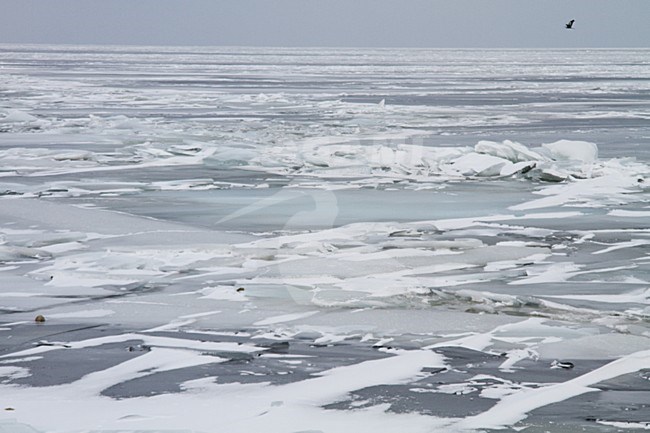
[
  {"x": 72, "y": 155},
  {"x": 518, "y": 167},
  {"x": 477, "y": 164},
  {"x": 17, "y": 253},
  {"x": 17, "y": 116},
  {"x": 510, "y": 150},
  {"x": 230, "y": 157},
  {"x": 584, "y": 151}
]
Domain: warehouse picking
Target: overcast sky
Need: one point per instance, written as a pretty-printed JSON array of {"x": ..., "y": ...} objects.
[{"x": 354, "y": 23}]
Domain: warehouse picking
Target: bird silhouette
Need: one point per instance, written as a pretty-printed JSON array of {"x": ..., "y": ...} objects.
[{"x": 569, "y": 25}]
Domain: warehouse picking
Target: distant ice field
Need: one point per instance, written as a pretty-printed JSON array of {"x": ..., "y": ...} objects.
[{"x": 308, "y": 239}]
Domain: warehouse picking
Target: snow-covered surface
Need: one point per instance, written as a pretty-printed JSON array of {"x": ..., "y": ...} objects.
[{"x": 307, "y": 240}]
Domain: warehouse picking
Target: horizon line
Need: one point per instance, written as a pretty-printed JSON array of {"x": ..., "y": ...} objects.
[{"x": 351, "y": 47}]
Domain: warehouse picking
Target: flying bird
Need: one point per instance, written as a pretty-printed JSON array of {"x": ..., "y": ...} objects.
[{"x": 569, "y": 25}]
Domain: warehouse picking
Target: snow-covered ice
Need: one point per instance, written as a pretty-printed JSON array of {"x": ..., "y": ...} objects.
[{"x": 306, "y": 240}]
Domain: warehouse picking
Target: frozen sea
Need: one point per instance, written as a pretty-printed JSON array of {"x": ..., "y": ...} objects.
[{"x": 324, "y": 240}]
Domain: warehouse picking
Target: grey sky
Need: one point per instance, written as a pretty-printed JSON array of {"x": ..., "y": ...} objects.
[{"x": 390, "y": 23}]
